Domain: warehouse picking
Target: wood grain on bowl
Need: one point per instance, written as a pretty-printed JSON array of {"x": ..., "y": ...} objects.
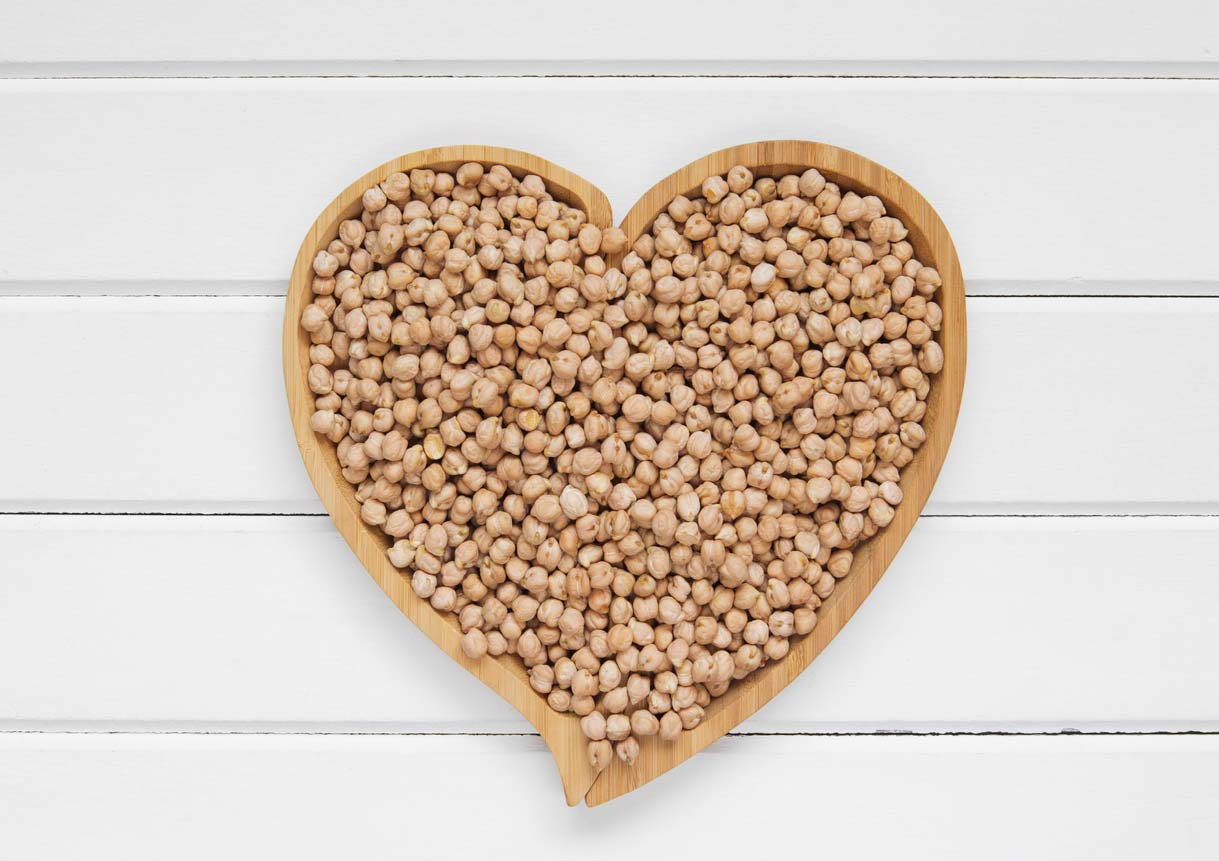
[{"x": 506, "y": 675}]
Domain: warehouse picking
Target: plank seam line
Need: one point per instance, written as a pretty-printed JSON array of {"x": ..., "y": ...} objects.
[
  {"x": 316, "y": 514},
  {"x": 968, "y": 295},
  {"x": 615, "y": 76},
  {"x": 1070, "y": 733},
  {"x": 1041, "y": 287}
]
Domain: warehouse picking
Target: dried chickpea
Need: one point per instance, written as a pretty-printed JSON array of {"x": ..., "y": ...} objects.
[{"x": 637, "y": 465}]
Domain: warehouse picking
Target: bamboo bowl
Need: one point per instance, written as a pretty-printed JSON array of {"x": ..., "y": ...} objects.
[{"x": 506, "y": 674}]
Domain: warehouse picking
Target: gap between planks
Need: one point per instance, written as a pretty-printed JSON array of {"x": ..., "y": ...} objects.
[
  {"x": 973, "y": 511},
  {"x": 628, "y": 69},
  {"x": 1067, "y": 288},
  {"x": 168, "y": 728}
]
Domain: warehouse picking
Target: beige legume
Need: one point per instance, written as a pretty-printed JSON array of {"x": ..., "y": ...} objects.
[{"x": 637, "y": 465}]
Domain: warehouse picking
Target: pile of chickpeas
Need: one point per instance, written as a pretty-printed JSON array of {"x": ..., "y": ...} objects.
[{"x": 640, "y": 479}]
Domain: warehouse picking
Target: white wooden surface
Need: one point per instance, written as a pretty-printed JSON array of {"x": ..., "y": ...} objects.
[
  {"x": 1125, "y": 37},
  {"x": 247, "y": 623},
  {"x": 216, "y": 180},
  {"x": 1066, "y": 407},
  {"x": 192, "y": 664},
  {"x": 207, "y": 797}
]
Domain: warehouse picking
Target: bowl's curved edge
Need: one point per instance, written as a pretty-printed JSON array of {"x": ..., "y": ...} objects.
[
  {"x": 932, "y": 244},
  {"x": 506, "y": 676}
]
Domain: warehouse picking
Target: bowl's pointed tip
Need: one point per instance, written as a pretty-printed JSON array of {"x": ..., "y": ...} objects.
[
  {"x": 566, "y": 745},
  {"x": 604, "y": 789},
  {"x": 577, "y": 786}
]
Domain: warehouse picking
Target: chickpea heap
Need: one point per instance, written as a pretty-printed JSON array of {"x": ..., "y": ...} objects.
[{"x": 641, "y": 479}]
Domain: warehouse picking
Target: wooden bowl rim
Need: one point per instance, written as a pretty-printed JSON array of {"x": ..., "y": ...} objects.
[{"x": 506, "y": 675}]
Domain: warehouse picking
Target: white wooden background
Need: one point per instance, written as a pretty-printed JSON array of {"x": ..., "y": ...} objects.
[{"x": 193, "y": 665}]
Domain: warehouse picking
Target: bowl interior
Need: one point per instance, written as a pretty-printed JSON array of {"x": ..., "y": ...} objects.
[
  {"x": 933, "y": 246},
  {"x": 349, "y": 205},
  {"x": 507, "y": 674}
]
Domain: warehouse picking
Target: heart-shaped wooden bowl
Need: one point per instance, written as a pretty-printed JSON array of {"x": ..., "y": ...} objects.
[{"x": 506, "y": 675}]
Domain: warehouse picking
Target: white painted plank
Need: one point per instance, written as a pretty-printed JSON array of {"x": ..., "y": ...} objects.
[
  {"x": 186, "y": 797},
  {"x": 770, "y": 36},
  {"x": 217, "y": 180},
  {"x": 244, "y": 623},
  {"x": 154, "y": 404}
]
